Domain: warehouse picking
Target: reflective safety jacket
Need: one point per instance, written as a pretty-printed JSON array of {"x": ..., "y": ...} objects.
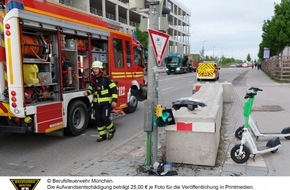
[{"x": 104, "y": 90}]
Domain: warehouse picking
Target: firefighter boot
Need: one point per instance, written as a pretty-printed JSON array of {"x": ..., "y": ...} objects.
[
  {"x": 111, "y": 130},
  {"x": 102, "y": 133},
  {"x": 111, "y": 133},
  {"x": 101, "y": 138}
]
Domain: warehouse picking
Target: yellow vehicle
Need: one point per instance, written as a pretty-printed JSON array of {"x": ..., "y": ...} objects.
[{"x": 208, "y": 70}]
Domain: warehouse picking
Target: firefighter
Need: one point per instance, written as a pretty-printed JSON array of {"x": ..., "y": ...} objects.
[{"x": 105, "y": 98}]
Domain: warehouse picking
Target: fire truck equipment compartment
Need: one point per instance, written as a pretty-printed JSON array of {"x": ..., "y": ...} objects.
[{"x": 30, "y": 72}]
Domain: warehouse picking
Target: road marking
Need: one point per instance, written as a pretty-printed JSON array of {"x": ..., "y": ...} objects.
[
  {"x": 168, "y": 88},
  {"x": 175, "y": 77},
  {"x": 23, "y": 165}
]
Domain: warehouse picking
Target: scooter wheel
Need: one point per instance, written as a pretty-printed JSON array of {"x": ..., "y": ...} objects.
[
  {"x": 286, "y": 131},
  {"x": 239, "y": 133},
  {"x": 273, "y": 142},
  {"x": 274, "y": 151},
  {"x": 240, "y": 158}
]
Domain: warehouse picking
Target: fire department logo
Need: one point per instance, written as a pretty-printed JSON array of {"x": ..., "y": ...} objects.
[{"x": 25, "y": 184}]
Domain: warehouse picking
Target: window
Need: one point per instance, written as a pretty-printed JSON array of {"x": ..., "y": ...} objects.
[
  {"x": 128, "y": 54},
  {"x": 118, "y": 53},
  {"x": 137, "y": 56}
]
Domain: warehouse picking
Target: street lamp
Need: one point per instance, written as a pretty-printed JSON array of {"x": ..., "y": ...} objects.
[{"x": 202, "y": 51}]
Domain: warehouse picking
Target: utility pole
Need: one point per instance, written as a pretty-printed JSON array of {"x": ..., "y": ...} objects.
[
  {"x": 152, "y": 93},
  {"x": 155, "y": 11}
]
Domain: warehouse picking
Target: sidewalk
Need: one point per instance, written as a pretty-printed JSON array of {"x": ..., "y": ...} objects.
[{"x": 128, "y": 158}]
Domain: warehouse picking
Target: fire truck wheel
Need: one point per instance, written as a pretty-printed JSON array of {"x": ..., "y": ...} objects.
[
  {"x": 77, "y": 119},
  {"x": 132, "y": 104}
]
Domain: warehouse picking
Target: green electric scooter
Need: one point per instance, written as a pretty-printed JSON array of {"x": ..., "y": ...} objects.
[
  {"x": 240, "y": 153},
  {"x": 285, "y": 133}
]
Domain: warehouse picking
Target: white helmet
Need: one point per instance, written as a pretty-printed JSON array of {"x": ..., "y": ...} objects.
[{"x": 97, "y": 64}]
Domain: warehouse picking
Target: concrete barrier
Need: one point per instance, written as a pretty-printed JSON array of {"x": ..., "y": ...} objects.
[{"x": 195, "y": 137}]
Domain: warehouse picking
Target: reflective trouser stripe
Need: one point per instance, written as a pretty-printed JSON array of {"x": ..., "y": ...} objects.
[
  {"x": 111, "y": 128},
  {"x": 102, "y": 130}
]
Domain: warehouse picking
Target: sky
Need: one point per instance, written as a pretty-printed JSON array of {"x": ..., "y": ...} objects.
[{"x": 232, "y": 28}]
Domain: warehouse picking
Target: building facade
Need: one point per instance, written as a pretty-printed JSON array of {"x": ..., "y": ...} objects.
[{"x": 126, "y": 15}]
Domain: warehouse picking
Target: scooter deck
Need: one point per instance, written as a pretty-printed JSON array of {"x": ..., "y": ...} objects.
[{"x": 262, "y": 148}]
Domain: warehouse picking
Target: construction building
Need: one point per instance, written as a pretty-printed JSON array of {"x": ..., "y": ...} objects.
[{"x": 125, "y": 15}]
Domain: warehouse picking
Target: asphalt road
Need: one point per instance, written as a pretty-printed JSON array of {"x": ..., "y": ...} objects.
[{"x": 49, "y": 155}]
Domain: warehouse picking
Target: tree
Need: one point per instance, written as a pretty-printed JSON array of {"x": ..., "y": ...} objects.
[
  {"x": 142, "y": 37},
  {"x": 226, "y": 61},
  {"x": 248, "y": 57},
  {"x": 276, "y": 31}
]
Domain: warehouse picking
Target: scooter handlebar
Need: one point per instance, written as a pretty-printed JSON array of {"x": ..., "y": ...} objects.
[
  {"x": 250, "y": 95},
  {"x": 256, "y": 89},
  {"x": 246, "y": 96}
]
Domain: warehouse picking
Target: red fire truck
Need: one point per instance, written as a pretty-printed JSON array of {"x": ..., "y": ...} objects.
[{"x": 45, "y": 67}]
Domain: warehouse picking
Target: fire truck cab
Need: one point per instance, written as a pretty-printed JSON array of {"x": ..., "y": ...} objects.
[{"x": 47, "y": 60}]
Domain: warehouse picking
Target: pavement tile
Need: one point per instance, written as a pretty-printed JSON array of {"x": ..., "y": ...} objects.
[
  {"x": 103, "y": 165},
  {"x": 121, "y": 151},
  {"x": 257, "y": 171},
  {"x": 182, "y": 171},
  {"x": 132, "y": 172},
  {"x": 92, "y": 171},
  {"x": 258, "y": 161},
  {"x": 137, "y": 152},
  {"x": 111, "y": 157},
  {"x": 234, "y": 169}
]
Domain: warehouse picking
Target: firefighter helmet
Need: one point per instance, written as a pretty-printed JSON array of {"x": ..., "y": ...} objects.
[{"x": 97, "y": 64}]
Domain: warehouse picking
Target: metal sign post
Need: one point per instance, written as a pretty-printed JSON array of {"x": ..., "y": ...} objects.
[{"x": 152, "y": 93}]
